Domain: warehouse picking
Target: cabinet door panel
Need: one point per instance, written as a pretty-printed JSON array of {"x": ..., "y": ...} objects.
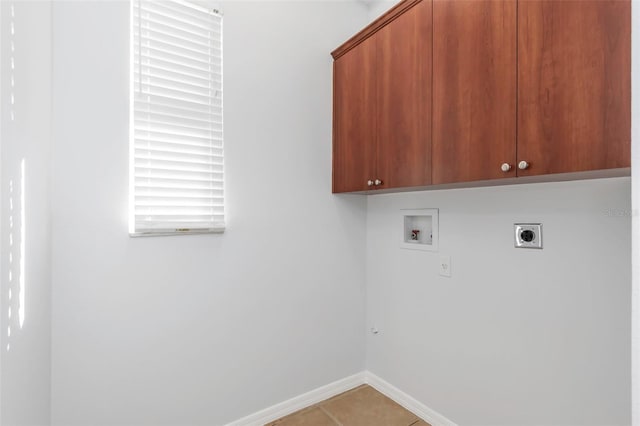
[
  {"x": 474, "y": 89},
  {"x": 574, "y": 85},
  {"x": 354, "y": 120},
  {"x": 404, "y": 99}
]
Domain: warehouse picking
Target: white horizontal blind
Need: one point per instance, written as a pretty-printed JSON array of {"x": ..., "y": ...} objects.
[{"x": 176, "y": 147}]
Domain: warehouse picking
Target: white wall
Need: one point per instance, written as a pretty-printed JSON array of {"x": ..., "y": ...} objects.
[
  {"x": 379, "y": 7},
  {"x": 206, "y": 329},
  {"x": 197, "y": 330},
  {"x": 25, "y": 292},
  {"x": 515, "y": 336},
  {"x": 635, "y": 163}
]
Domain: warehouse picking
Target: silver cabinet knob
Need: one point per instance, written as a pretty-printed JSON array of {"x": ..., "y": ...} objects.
[
  {"x": 505, "y": 167},
  {"x": 378, "y": 182},
  {"x": 369, "y": 182},
  {"x": 523, "y": 165}
]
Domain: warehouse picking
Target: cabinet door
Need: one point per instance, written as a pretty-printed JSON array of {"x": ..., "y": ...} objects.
[
  {"x": 354, "y": 118},
  {"x": 574, "y": 85},
  {"x": 474, "y": 89},
  {"x": 404, "y": 99}
]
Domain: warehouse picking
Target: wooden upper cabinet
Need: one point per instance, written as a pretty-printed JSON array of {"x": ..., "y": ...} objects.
[
  {"x": 354, "y": 118},
  {"x": 404, "y": 99},
  {"x": 574, "y": 70},
  {"x": 454, "y": 91},
  {"x": 382, "y": 102},
  {"x": 474, "y": 89}
]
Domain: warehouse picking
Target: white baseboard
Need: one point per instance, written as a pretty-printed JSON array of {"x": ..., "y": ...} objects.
[
  {"x": 302, "y": 401},
  {"x": 416, "y": 407},
  {"x": 332, "y": 389}
]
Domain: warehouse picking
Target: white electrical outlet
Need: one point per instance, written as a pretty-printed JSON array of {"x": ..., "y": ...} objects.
[{"x": 445, "y": 266}]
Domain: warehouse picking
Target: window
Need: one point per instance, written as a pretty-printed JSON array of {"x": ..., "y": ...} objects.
[{"x": 176, "y": 147}]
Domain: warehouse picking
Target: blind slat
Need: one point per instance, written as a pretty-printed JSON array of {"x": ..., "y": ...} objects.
[
  {"x": 147, "y": 17},
  {"x": 186, "y": 11},
  {"x": 200, "y": 55},
  {"x": 177, "y": 169},
  {"x": 175, "y": 41},
  {"x": 180, "y": 96},
  {"x": 148, "y": 157},
  {"x": 167, "y": 148},
  {"x": 210, "y": 80},
  {"x": 211, "y": 89},
  {"x": 152, "y": 99},
  {"x": 187, "y": 182},
  {"x": 148, "y": 138},
  {"x": 181, "y": 113},
  {"x": 173, "y": 122},
  {"x": 167, "y": 28},
  {"x": 177, "y": 193},
  {"x": 180, "y": 59},
  {"x": 177, "y": 130},
  {"x": 152, "y": 32},
  {"x": 205, "y": 23},
  {"x": 174, "y": 67}
]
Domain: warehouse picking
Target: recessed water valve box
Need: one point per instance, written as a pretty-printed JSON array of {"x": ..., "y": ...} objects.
[
  {"x": 528, "y": 235},
  {"x": 419, "y": 229}
]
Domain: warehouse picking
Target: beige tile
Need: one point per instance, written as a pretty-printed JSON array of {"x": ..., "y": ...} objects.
[
  {"x": 307, "y": 417},
  {"x": 368, "y": 407}
]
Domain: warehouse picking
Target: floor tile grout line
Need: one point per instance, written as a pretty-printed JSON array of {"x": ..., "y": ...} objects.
[
  {"x": 321, "y": 406},
  {"x": 330, "y": 415}
]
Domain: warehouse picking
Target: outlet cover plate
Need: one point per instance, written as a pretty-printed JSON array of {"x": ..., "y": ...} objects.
[
  {"x": 445, "y": 266},
  {"x": 528, "y": 235}
]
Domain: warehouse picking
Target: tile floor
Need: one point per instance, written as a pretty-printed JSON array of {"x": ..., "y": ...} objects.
[{"x": 362, "y": 406}]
